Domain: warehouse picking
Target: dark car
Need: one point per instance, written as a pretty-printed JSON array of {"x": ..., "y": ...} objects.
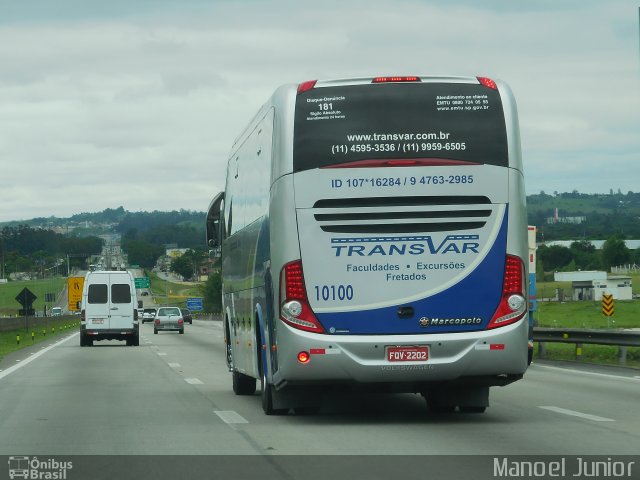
[{"x": 186, "y": 316}]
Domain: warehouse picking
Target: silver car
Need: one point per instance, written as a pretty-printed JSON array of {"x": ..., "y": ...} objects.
[{"x": 168, "y": 318}]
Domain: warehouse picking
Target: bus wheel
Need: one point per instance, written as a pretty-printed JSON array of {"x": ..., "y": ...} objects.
[
  {"x": 472, "y": 409},
  {"x": 267, "y": 398},
  {"x": 227, "y": 340},
  {"x": 243, "y": 384},
  {"x": 306, "y": 410},
  {"x": 435, "y": 404}
]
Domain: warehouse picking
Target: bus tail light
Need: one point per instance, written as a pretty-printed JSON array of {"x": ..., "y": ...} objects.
[
  {"x": 513, "y": 304},
  {"x": 294, "y": 305}
]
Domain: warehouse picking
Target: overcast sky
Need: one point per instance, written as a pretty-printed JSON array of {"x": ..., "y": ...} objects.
[{"x": 136, "y": 103}]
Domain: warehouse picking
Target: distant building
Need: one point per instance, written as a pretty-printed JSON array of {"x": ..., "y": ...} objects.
[
  {"x": 175, "y": 252},
  {"x": 558, "y": 219},
  {"x": 591, "y": 285}
]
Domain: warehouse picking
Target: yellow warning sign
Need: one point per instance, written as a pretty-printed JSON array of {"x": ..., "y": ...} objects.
[
  {"x": 74, "y": 289},
  {"x": 607, "y": 305}
]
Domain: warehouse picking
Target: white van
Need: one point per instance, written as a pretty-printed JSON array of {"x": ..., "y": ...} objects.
[{"x": 109, "y": 308}]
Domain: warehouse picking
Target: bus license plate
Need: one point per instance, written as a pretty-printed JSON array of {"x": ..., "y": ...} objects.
[
  {"x": 96, "y": 321},
  {"x": 407, "y": 354}
]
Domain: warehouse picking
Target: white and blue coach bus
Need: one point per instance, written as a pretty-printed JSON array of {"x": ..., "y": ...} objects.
[{"x": 373, "y": 235}]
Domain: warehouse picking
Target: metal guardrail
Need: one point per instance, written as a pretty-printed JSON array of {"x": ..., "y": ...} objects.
[{"x": 620, "y": 338}]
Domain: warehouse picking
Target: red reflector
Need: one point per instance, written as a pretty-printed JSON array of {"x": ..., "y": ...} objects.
[
  {"x": 304, "y": 357},
  {"x": 496, "y": 346},
  {"x": 308, "y": 85},
  {"x": 395, "y": 79},
  {"x": 487, "y": 82},
  {"x": 317, "y": 351},
  {"x": 399, "y": 162}
]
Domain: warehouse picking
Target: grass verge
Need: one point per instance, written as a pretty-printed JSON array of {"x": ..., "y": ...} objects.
[
  {"x": 55, "y": 328},
  {"x": 177, "y": 292},
  {"x": 598, "y": 354}
]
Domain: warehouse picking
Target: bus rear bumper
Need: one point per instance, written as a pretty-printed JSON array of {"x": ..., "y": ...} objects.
[{"x": 483, "y": 358}]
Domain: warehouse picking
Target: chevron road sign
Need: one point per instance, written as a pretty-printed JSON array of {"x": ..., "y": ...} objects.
[{"x": 607, "y": 305}]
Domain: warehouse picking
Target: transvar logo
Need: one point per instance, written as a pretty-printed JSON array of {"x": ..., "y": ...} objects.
[
  {"x": 40, "y": 469},
  {"x": 409, "y": 245}
]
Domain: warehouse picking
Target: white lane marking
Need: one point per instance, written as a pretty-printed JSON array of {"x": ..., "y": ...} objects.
[
  {"x": 573, "y": 413},
  {"x": 229, "y": 416},
  {"x": 162, "y": 354},
  {"x": 595, "y": 374},
  {"x": 12, "y": 369},
  {"x": 194, "y": 381},
  {"x": 174, "y": 365}
]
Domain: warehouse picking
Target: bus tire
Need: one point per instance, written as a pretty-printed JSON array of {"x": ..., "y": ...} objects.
[
  {"x": 267, "y": 398},
  {"x": 313, "y": 410},
  {"x": 435, "y": 404},
  {"x": 243, "y": 384}
]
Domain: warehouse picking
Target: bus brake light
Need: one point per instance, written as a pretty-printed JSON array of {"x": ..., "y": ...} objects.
[
  {"x": 487, "y": 82},
  {"x": 308, "y": 85},
  {"x": 395, "y": 79}
]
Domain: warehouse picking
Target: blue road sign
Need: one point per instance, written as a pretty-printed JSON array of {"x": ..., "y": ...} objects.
[{"x": 195, "y": 304}]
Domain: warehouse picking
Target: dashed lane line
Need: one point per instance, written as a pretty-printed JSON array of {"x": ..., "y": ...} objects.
[
  {"x": 230, "y": 417},
  {"x": 573, "y": 413},
  {"x": 194, "y": 381}
]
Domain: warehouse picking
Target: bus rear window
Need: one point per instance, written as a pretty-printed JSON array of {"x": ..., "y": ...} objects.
[{"x": 453, "y": 121}]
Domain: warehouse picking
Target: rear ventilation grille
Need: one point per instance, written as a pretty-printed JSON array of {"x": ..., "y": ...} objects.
[{"x": 413, "y": 214}]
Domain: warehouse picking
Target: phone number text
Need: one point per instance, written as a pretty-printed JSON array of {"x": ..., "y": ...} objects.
[
  {"x": 401, "y": 181},
  {"x": 398, "y": 147}
]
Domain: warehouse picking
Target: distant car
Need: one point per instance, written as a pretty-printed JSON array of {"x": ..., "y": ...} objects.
[
  {"x": 186, "y": 316},
  {"x": 145, "y": 294},
  {"x": 168, "y": 318},
  {"x": 148, "y": 314}
]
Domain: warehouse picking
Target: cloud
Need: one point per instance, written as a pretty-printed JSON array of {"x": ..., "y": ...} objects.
[{"x": 138, "y": 103}]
